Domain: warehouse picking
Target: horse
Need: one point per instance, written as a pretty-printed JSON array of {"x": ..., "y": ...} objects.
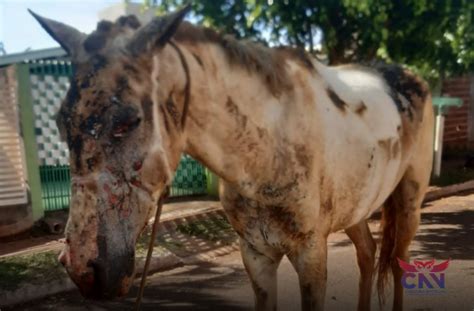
[{"x": 303, "y": 150}]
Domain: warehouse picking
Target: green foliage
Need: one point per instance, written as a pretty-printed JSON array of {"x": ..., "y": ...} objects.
[{"x": 435, "y": 38}]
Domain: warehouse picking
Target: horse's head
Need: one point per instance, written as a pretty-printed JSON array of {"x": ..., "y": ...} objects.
[{"x": 121, "y": 120}]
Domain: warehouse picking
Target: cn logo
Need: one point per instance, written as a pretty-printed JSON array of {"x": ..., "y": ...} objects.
[{"x": 423, "y": 274}]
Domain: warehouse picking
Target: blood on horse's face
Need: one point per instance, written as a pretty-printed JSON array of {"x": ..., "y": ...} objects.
[
  {"x": 118, "y": 169},
  {"x": 121, "y": 154}
]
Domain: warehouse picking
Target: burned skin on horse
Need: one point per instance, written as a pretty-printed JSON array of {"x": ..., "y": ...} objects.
[{"x": 303, "y": 150}]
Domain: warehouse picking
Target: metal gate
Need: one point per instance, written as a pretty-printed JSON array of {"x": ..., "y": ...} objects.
[
  {"x": 12, "y": 169},
  {"x": 49, "y": 83}
]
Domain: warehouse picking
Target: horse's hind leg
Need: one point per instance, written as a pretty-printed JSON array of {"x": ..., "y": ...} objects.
[
  {"x": 412, "y": 191},
  {"x": 365, "y": 248},
  {"x": 262, "y": 271},
  {"x": 401, "y": 217}
]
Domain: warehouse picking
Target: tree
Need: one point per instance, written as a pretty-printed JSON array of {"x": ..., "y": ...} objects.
[{"x": 434, "y": 37}]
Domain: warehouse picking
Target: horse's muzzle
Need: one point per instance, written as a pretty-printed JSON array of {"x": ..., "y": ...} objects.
[{"x": 105, "y": 280}]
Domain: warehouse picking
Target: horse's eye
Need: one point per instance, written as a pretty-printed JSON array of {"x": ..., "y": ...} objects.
[{"x": 124, "y": 121}]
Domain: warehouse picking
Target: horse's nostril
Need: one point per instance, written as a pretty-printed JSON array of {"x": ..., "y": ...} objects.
[{"x": 63, "y": 258}]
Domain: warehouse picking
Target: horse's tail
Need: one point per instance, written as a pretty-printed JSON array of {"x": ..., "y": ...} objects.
[{"x": 387, "y": 250}]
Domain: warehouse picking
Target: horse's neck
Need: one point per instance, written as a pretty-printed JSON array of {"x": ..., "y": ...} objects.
[
  {"x": 237, "y": 127},
  {"x": 230, "y": 124}
]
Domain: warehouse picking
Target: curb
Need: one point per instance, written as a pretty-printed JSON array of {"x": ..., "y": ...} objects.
[
  {"x": 29, "y": 291},
  {"x": 447, "y": 191}
]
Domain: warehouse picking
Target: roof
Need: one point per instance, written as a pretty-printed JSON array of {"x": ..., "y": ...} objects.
[{"x": 31, "y": 56}]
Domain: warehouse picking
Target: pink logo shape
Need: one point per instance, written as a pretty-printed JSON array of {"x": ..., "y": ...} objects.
[{"x": 427, "y": 266}]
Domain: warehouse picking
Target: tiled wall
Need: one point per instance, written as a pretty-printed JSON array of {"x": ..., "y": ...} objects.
[{"x": 47, "y": 93}]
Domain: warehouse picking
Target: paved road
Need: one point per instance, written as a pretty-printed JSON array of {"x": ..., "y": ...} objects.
[{"x": 447, "y": 231}]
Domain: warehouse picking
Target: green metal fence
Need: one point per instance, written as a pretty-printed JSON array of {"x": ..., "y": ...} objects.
[
  {"x": 55, "y": 186},
  {"x": 190, "y": 179}
]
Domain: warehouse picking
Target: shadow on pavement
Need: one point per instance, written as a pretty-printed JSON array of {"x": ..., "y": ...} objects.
[{"x": 446, "y": 235}]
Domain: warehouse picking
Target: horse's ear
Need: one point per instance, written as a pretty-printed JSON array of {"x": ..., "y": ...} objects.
[
  {"x": 157, "y": 32},
  {"x": 68, "y": 37}
]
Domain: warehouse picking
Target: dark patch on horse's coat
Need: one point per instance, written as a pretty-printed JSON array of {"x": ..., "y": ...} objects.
[
  {"x": 147, "y": 107},
  {"x": 336, "y": 100},
  {"x": 199, "y": 60},
  {"x": 91, "y": 162},
  {"x": 233, "y": 109},
  {"x": 385, "y": 144},
  {"x": 273, "y": 191},
  {"x": 361, "y": 108},
  {"x": 98, "y": 62},
  {"x": 172, "y": 110},
  {"x": 303, "y": 157},
  {"x": 187, "y": 86},
  {"x": 262, "y": 295},
  {"x": 404, "y": 83},
  {"x": 121, "y": 85},
  {"x": 287, "y": 221},
  {"x": 73, "y": 95},
  {"x": 371, "y": 160},
  {"x": 130, "y": 69},
  {"x": 76, "y": 148},
  {"x": 112, "y": 263},
  {"x": 307, "y": 300},
  {"x": 165, "y": 119},
  {"x": 85, "y": 83},
  {"x": 395, "y": 149}
]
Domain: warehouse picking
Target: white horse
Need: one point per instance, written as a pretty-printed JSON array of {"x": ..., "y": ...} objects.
[{"x": 303, "y": 149}]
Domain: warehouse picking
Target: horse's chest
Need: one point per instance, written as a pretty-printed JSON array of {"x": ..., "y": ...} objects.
[{"x": 274, "y": 227}]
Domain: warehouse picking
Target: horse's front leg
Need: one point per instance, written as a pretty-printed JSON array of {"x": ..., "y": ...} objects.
[
  {"x": 310, "y": 262},
  {"x": 262, "y": 271}
]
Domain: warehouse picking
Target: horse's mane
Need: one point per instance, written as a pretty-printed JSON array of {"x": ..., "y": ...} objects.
[{"x": 269, "y": 63}]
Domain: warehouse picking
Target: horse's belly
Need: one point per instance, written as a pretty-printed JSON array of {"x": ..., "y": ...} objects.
[{"x": 364, "y": 182}]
